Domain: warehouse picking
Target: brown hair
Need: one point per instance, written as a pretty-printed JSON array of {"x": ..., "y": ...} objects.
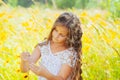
[{"x": 72, "y": 22}]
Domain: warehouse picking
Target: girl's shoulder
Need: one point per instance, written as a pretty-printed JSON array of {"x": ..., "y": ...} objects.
[
  {"x": 69, "y": 57},
  {"x": 40, "y": 44},
  {"x": 70, "y": 52}
]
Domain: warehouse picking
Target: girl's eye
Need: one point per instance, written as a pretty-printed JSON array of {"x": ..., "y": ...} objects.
[{"x": 62, "y": 35}]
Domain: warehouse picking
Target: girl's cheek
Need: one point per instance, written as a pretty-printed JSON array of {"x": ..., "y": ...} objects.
[{"x": 55, "y": 33}]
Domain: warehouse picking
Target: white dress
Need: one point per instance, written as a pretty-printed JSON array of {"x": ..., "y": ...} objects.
[{"x": 53, "y": 62}]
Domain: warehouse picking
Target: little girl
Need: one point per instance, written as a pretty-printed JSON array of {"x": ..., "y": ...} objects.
[{"x": 60, "y": 53}]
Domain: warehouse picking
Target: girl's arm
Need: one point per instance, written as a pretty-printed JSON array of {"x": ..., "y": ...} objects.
[
  {"x": 63, "y": 74},
  {"x": 35, "y": 55},
  {"x": 26, "y": 59}
]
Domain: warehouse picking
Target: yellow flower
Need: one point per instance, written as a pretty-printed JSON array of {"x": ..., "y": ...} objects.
[
  {"x": 92, "y": 19},
  {"x": 49, "y": 20},
  {"x": 25, "y": 24},
  {"x": 97, "y": 16},
  {"x": 7, "y": 61},
  {"x": 106, "y": 38},
  {"x": 25, "y": 76},
  {"x": 5, "y": 20},
  {"x": 2, "y": 14},
  {"x": 10, "y": 16},
  {"x": 86, "y": 48},
  {"x": 18, "y": 70},
  {"x": 3, "y": 36},
  {"x": 112, "y": 33},
  {"x": 18, "y": 62},
  {"x": 103, "y": 23},
  {"x": 86, "y": 39},
  {"x": 84, "y": 14},
  {"x": 116, "y": 22},
  {"x": 28, "y": 28},
  {"x": 56, "y": 15},
  {"x": 31, "y": 20}
]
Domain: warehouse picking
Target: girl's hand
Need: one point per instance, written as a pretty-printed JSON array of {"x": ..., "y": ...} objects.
[
  {"x": 38, "y": 70},
  {"x": 25, "y": 56},
  {"x": 25, "y": 61}
]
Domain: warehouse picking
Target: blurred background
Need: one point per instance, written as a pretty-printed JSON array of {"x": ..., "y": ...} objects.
[{"x": 24, "y": 23}]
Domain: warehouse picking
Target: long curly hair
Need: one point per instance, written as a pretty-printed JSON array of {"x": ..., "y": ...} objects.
[{"x": 73, "y": 24}]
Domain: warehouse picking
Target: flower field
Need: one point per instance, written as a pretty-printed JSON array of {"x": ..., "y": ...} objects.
[{"x": 22, "y": 28}]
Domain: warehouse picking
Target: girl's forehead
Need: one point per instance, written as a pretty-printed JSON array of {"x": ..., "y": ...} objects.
[{"x": 62, "y": 29}]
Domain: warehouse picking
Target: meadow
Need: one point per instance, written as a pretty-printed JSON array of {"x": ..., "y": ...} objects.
[{"x": 22, "y": 28}]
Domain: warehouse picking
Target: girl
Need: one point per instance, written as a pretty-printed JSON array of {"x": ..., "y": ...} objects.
[{"x": 60, "y": 53}]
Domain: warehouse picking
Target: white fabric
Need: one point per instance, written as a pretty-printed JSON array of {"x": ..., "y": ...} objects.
[{"x": 53, "y": 62}]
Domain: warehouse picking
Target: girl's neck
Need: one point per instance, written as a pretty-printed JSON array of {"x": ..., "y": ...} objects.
[{"x": 57, "y": 44}]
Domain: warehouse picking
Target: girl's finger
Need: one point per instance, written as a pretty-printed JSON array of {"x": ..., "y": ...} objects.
[
  {"x": 25, "y": 54},
  {"x": 33, "y": 66},
  {"x": 33, "y": 69}
]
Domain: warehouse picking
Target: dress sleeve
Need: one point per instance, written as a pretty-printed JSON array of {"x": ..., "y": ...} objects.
[
  {"x": 38, "y": 45},
  {"x": 69, "y": 58},
  {"x": 42, "y": 46}
]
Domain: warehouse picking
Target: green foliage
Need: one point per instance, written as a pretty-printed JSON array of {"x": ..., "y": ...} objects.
[
  {"x": 92, "y": 4},
  {"x": 65, "y": 3},
  {"x": 25, "y": 3},
  {"x": 13, "y": 2},
  {"x": 45, "y": 1},
  {"x": 113, "y": 6},
  {"x": 81, "y": 3}
]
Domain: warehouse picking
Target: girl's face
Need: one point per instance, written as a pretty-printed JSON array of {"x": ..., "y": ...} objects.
[{"x": 59, "y": 34}]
